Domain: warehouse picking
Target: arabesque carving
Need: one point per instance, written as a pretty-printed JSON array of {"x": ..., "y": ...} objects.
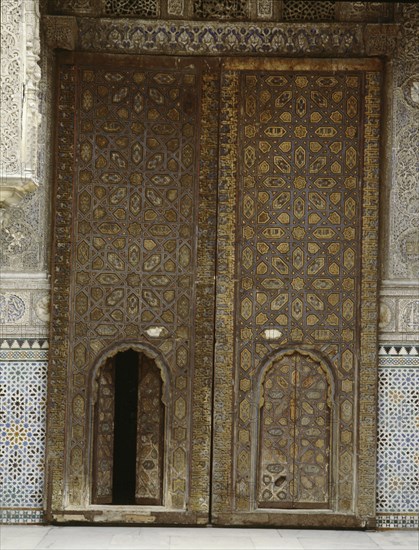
[
  {"x": 20, "y": 118},
  {"x": 403, "y": 262}
]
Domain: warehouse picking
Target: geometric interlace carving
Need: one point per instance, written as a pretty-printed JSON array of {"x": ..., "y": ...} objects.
[
  {"x": 299, "y": 226},
  {"x": 133, "y": 229}
]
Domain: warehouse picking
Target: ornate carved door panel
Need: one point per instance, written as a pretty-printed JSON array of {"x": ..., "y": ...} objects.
[
  {"x": 296, "y": 293},
  {"x": 134, "y": 257},
  {"x": 290, "y": 422},
  {"x": 295, "y": 434}
]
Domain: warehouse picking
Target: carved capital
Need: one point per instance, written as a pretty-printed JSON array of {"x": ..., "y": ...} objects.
[
  {"x": 381, "y": 39},
  {"x": 14, "y": 188},
  {"x": 60, "y": 31}
]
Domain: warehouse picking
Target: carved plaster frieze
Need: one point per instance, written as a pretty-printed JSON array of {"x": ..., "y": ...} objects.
[
  {"x": 381, "y": 39},
  {"x": 399, "y": 311},
  {"x": 176, "y": 8},
  {"x": 411, "y": 90},
  {"x": 24, "y": 304},
  {"x": 364, "y": 11},
  {"x": 219, "y": 38}
]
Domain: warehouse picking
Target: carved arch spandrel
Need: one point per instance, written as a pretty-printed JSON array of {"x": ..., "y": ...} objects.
[{"x": 302, "y": 452}]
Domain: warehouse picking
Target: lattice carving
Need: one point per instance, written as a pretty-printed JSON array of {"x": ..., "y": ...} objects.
[
  {"x": 295, "y": 435},
  {"x": 221, "y": 9},
  {"x": 139, "y": 8},
  {"x": 303, "y": 10}
]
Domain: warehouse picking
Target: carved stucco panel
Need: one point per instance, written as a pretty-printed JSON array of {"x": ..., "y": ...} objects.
[
  {"x": 20, "y": 116},
  {"x": 404, "y": 197}
]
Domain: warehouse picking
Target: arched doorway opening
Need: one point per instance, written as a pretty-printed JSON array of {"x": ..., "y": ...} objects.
[{"x": 128, "y": 439}]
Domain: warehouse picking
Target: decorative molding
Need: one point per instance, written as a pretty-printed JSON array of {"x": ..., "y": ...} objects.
[{"x": 220, "y": 38}]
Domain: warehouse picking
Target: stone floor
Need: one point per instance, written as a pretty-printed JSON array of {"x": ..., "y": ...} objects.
[{"x": 13, "y": 537}]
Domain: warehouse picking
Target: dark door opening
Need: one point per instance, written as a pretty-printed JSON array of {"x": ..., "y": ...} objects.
[
  {"x": 129, "y": 432},
  {"x": 125, "y": 427}
]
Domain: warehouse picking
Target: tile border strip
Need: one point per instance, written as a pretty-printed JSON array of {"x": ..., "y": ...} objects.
[
  {"x": 22, "y": 516},
  {"x": 398, "y": 521}
]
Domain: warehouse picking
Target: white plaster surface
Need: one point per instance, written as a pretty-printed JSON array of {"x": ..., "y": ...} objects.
[{"x": 22, "y": 537}]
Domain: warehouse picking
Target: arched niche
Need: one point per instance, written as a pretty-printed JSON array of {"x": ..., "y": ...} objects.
[
  {"x": 295, "y": 423},
  {"x": 129, "y": 416}
]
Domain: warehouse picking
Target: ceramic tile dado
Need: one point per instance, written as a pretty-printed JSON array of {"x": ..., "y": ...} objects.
[
  {"x": 22, "y": 434},
  {"x": 398, "y": 437},
  {"x": 23, "y": 381}
]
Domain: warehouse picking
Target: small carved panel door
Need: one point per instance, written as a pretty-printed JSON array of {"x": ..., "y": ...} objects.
[{"x": 295, "y": 434}]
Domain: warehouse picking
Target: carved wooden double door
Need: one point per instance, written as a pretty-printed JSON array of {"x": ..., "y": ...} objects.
[{"x": 214, "y": 291}]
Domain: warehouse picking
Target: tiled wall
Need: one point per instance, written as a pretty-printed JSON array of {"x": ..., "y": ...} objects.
[
  {"x": 23, "y": 384},
  {"x": 398, "y": 437},
  {"x": 23, "y": 377}
]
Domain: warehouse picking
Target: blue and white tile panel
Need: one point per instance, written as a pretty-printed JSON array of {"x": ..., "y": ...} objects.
[
  {"x": 23, "y": 381},
  {"x": 23, "y": 386},
  {"x": 398, "y": 437}
]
